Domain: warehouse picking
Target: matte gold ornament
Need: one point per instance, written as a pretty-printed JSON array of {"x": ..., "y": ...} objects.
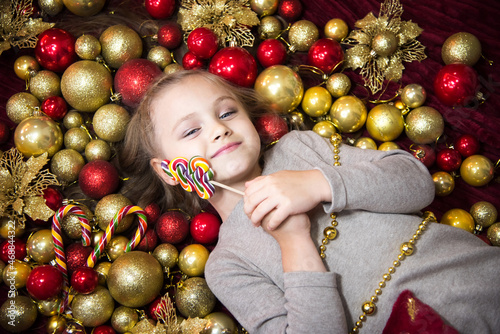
[
  {"x": 86, "y": 85},
  {"x": 477, "y": 170},
  {"x": 493, "y": 234},
  {"x": 73, "y": 119},
  {"x": 317, "y": 101},
  {"x": 413, "y": 95},
  {"x": 424, "y": 125},
  {"x": 218, "y": 323},
  {"x": 264, "y": 7},
  {"x": 102, "y": 269},
  {"x": 116, "y": 247},
  {"x": 87, "y": 47},
  {"x": 281, "y": 86},
  {"x": 97, "y": 149},
  {"x": 84, "y": 7},
  {"x": 16, "y": 273},
  {"x": 66, "y": 165},
  {"x": 348, "y": 113},
  {"x": 40, "y": 246},
  {"x": 8, "y": 227},
  {"x": 44, "y": 84},
  {"x": 110, "y": 122},
  {"x": 24, "y": 65},
  {"x": 51, "y": 7},
  {"x": 338, "y": 84},
  {"x": 21, "y": 106},
  {"x": 49, "y": 307},
  {"x": 106, "y": 209},
  {"x": 71, "y": 224},
  {"x": 192, "y": 259},
  {"x": 463, "y": 48},
  {"x": 444, "y": 183},
  {"x": 336, "y": 29},
  {"x": 458, "y": 218},
  {"x": 194, "y": 299},
  {"x": 160, "y": 55},
  {"x": 365, "y": 143},
  {"x": 77, "y": 139},
  {"x": 119, "y": 44},
  {"x": 484, "y": 214},
  {"x": 324, "y": 129},
  {"x": 17, "y": 314},
  {"x": 93, "y": 309},
  {"x": 167, "y": 255},
  {"x": 270, "y": 27},
  {"x": 56, "y": 324},
  {"x": 302, "y": 35},
  {"x": 385, "y": 122},
  {"x": 135, "y": 279},
  {"x": 36, "y": 135},
  {"x": 388, "y": 146},
  {"x": 124, "y": 319},
  {"x": 171, "y": 68}
]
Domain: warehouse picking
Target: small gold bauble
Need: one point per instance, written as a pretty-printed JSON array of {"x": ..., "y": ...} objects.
[
  {"x": 324, "y": 129},
  {"x": 194, "y": 299},
  {"x": 336, "y": 29},
  {"x": 124, "y": 319},
  {"x": 84, "y": 8},
  {"x": 17, "y": 314},
  {"x": 444, "y": 183},
  {"x": 160, "y": 55},
  {"x": 365, "y": 143},
  {"x": 348, "y": 113},
  {"x": 302, "y": 35},
  {"x": 95, "y": 236},
  {"x": 97, "y": 149},
  {"x": 2, "y": 267},
  {"x": 484, "y": 213},
  {"x": 192, "y": 259},
  {"x": 317, "y": 101},
  {"x": 16, "y": 274},
  {"x": 87, "y": 47},
  {"x": 400, "y": 105},
  {"x": 73, "y": 119},
  {"x": 461, "y": 47},
  {"x": 296, "y": 119},
  {"x": 120, "y": 43},
  {"x": 493, "y": 234},
  {"x": 385, "y": 122},
  {"x": 270, "y": 27},
  {"x": 40, "y": 246},
  {"x": 167, "y": 255},
  {"x": 24, "y": 65},
  {"x": 116, "y": 247},
  {"x": 388, "y": 146},
  {"x": 338, "y": 84},
  {"x": 77, "y": 139},
  {"x": 413, "y": 95},
  {"x": 45, "y": 84},
  {"x": 102, "y": 270},
  {"x": 36, "y": 135},
  {"x": 218, "y": 323},
  {"x": 49, "y": 307},
  {"x": 9, "y": 227},
  {"x": 424, "y": 125},
  {"x": 71, "y": 225},
  {"x": 110, "y": 122},
  {"x": 172, "y": 68},
  {"x": 55, "y": 324},
  {"x": 264, "y": 7},
  {"x": 106, "y": 209},
  {"x": 385, "y": 43},
  {"x": 66, "y": 165},
  {"x": 93, "y": 309},
  {"x": 21, "y": 106},
  {"x": 458, "y": 218},
  {"x": 477, "y": 170},
  {"x": 368, "y": 308}
]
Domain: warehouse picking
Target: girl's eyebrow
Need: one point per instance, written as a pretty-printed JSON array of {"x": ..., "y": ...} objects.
[{"x": 220, "y": 99}]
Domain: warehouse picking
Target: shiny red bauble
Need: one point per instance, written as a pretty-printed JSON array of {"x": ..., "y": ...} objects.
[
  {"x": 204, "y": 228},
  {"x": 4, "y": 132},
  {"x": 84, "y": 280},
  {"x": 456, "y": 84},
  {"x": 55, "y": 107},
  {"x": 325, "y": 54},
  {"x": 172, "y": 227},
  {"x": 160, "y": 9},
  {"x": 103, "y": 329},
  {"x": 152, "y": 211},
  {"x": 271, "y": 128},
  {"x": 169, "y": 35},
  {"x": 16, "y": 246},
  {"x": 133, "y": 79},
  {"x": 98, "y": 178},
  {"x": 44, "y": 282},
  {"x": 76, "y": 256},
  {"x": 203, "y": 42},
  {"x": 53, "y": 199},
  {"x": 290, "y": 10},
  {"x": 236, "y": 65},
  {"x": 448, "y": 159},
  {"x": 148, "y": 242},
  {"x": 271, "y": 52},
  {"x": 191, "y": 62},
  {"x": 467, "y": 145},
  {"x": 55, "y": 49},
  {"x": 155, "y": 306},
  {"x": 424, "y": 153}
]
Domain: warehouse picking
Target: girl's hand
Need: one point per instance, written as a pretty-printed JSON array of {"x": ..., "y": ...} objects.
[{"x": 277, "y": 196}]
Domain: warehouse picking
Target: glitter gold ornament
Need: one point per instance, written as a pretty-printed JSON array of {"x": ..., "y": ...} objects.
[
  {"x": 193, "y": 298},
  {"x": 338, "y": 84},
  {"x": 124, "y": 319},
  {"x": 97, "y": 149},
  {"x": 106, "y": 209},
  {"x": 264, "y": 7},
  {"x": 336, "y": 29},
  {"x": 424, "y": 125},
  {"x": 66, "y": 165},
  {"x": 458, "y": 218},
  {"x": 24, "y": 65},
  {"x": 21, "y": 106},
  {"x": 324, "y": 129},
  {"x": 302, "y": 35},
  {"x": 119, "y": 44},
  {"x": 463, "y": 48},
  {"x": 167, "y": 254},
  {"x": 348, "y": 113},
  {"x": 87, "y": 47},
  {"x": 388, "y": 146},
  {"x": 171, "y": 68},
  {"x": 44, "y": 84},
  {"x": 116, "y": 247},
  {"x": 40, "y": 247},
  {"x": 385, "y": 122},
  {"x": 365, "y": 143},
  {"x": 160, "y": 55},
  {"x": 73, "y": 119},
  {"x": 413, "y": 95},
  {"x": 71, "y": 224},
  {"x": 110, "y": 122},
  {"x": 493, "y": 234},
  {"x": 219, "y": 322},
  {"x": 317, "y": 101},
  {"x": 56, "y": 324},
  {"x": 444, "y": 183},
  {"x": 52, "y": 8},
  {"x": 17, "y": 314},
  {"x": 93, "y": 309},
  {"x": 484, "y": 214},
  {"x": 84, "y": 7},
  {"x": 16, "y": 273},
  {"x": 477, "y": 170},
  {"x": 36, "y": 135},
  {"x": 77, "y": 139},
  {"x": 269, "y": 27},
  {"x": 192, "y": 259}
]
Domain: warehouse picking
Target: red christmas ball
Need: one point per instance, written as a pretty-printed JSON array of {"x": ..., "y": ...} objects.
[
  {"x": 203, "y": 43},
  {"x": 172, "y": 227},
  {"x": 53, "y": 199},
  {"x": 84, "y": 280},
  {"x": 15, "y": 245},
  {"x": 271, "y": 128},
  {"x": 55, "y": 107},
  {"x": 152, "y": 211},
  {"x": 271, "y": 52},
  {"x": 155, "y": 305},
  {"x": 103, "y": 329},
  {"x": 170, "y": 35},
  {"x": 448, "y": 159},
  {"x": 290, "y": 10},
  {"x": 76, "y": 256},
  {"x": 148, "y": 242},
  {"x": 98, "y": 178},
  {"x": 133, "y": 79},
  {"x": 467, "y": 145},
  {"x": 4, "y": 132},
  {"x": 325, "y": 54},
  {"x": 191, "y": 62},
  {"x": 455, "y": 84},
  {"x": 205, "y": 228},
  {"x": 44, "y": 282},
  {"x": 160, "y": 9},
  {"x": 55, "y": 49},
  {"x": 424, "y": 153},
  {"x": 236, "y": 65}
]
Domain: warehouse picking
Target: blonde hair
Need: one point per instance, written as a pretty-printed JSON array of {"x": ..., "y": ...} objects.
[{"x": 144, "y": 186}]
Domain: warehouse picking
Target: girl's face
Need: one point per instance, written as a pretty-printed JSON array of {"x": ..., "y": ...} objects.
[{"x": 198, "y": 117}]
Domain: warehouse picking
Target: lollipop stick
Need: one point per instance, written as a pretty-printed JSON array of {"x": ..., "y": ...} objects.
[{"x": 215, "y": 183}]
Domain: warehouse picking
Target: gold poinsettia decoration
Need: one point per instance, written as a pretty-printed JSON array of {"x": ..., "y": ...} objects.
[
  {"x": 22, "y": 185},
  {"x": 230, "y": 20},
  {"x": 381, "y": 45}
]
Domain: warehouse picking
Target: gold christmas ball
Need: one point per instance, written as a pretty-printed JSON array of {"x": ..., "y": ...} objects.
[
  {"x": 106, "y": 209},
  {"x": 461, "y": 47},
  {"x": 116, "y": 247},
  {"x": 97, "y": 149},
  {"x": 95, "y": 236},
  {"x": 40, "y": 247},
  {"x": 51, "y": 7},
  {"x": 365, "y": 143},
  {"x": 317, "y": 101},
  {"x": 36, "y": 135},
  {"x": 458, "y": 218},
  {"x": 167, "y": 255},
  {"x": 173, "y": 67},
  {"x": 70, "y": 223},
  {"x": 73, "y": 119},
  {"x": 93, "y": 309},
  {"x": 385, "y": 43},
  {"x": 17, "y": 314},
  {"x": 55, "y": 325},
  {"x": 9, "y": 228},
  {"x": 66, "y": 165},
  {"x": 338, "y": 84},
  {"x": 413, "y": 95},
  {"x": 194, "y": 299},
  {"x": 385, "y": 122},
  {"x": 16, "y": 274},
  {"x": 192, "y": 259},
  {"x": 400, "y": 105},
  {"x": 124, "y": 319},
  {"x": 424, "y": 125},
  {"x": 270, "y": 27},
  {"x": 444, "y": 183},
  {"x": 87, "y": 47},
  {"x": 281, "y": 86},
  {"x": 45, "y": 84},
  {"x": 110, "y": 122},
  {"x": 484, "y": 213},
  {"x": 77, "y": 139},
  {"x": 21, "y": 106},
  {"x": 336, "y": 29},
  {"x": 24, "y": 65},
  {"x": 120, "y": 43},
  {"x": 264, "y": 7},
  {"x": 160, "y": 55},
  {"x": 220, "y": 323},
  {"x": 348, "y": 113},
  {"x": 296, "y": 118},
  {"x": 388, "y": 146},
  {"x": 49, "y": 307},
  {"x": 2, "y": 267},
  {"x": 135, "y": 279},
  {"x": 86, "y": 85},
  {"x": 477, "y": 170},
  {"x": 84, "y": 7},
  {"x": 302, "y": 35},
  {"x": 324, "y": 129},
  {"x": 493, "y": 234},
  {"x": 102, "y": 270}
]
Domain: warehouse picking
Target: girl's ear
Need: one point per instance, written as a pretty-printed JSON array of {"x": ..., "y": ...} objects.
[{"x": 156, "y": 164}]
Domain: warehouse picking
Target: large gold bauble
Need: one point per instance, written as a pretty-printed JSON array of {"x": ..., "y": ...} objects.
[
  {"x": 66, "y": 165},
  {"x": 348, "y": 113},
  {"x": 97, "y": 149},
  {"x": 194, "y": 299},
  {"x": 484, "y": 213},
  {"x": 424, "y": 125},
  {"x": 102, "y": 270},
  {"x": 77, "y": 139},
  {"x": 56, "y": 325},
  {"x": 220, "y": 323},
  {"x": 317, "y": 101},
  {"x": 338, "y": 84},
  {"x": 86, "y": 85},
  {"x": 16, "y": 274},
  {"x": 493, "y": 234},
  {"x": 281, "y": 86},
  {"x": 40, "y": 246},
  {"x": 385, "y": 122},
  {"x": 45, "y": 84},
  {"x": 106, "y": 209},
  {"x": 51, "y": 7},
  {"x": 135, "y": 279},
  {"x": 87, "y": 47},
  {"x": 9, "y": 227},
  {"x": 388, "y": 146},
  {"x": 458, "y": 218},
  {"x": 84, "y": 7},
  {"x": 120, "y": 43},
  {"x": 365, "y": 143},
  {"x": 73, "y": 119},
  {"x": 21, "y": 106},
  {"x": 461, "y": 47},
  {"x": 124, "y": 319},
  {"x": 36, "y": 135},
  {"x": 71, "y": 225},
  {"x": 17, "y": 314},
  {"x": 336, "y": 29},
  {"x": 93, "y": 309},
  {"x": 477, "y": 170},
  {"x": 167, "y": 255},
  {"x": 24, "y": 65},
  {"x": 413, "y": 95},
  {"x": 192, "y": 259},
  {"x": 264, "y": 7},
  {"x": 324, "y": 129},
  {"x": 385, "y": 43},
  {"x": 116, "y": 247},
  {"x": 160, "y": 55},
  {"x": 110, "y": 122},
  {"x": 270, "y": 27},
  {"x": 49, "y": 307},
  {"x": 444, "y": 183},
  {"x": 302, "y": 35}
]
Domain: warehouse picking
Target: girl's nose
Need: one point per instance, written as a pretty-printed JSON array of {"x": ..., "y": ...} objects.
[{"x": 221, "y": 131}]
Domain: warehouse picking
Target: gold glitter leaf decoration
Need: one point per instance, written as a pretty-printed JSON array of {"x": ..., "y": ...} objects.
[{"x": 381, "y": 45}]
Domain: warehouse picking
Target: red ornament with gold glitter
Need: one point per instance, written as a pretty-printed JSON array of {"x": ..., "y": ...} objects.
[
  {"x": 236, "y": 65},
  {"x": 98, "y": 178},
  {"x": 55, "y": 49},
  {"x": 172, "y": 227}
]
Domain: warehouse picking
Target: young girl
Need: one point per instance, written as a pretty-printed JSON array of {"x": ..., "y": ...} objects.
[{"x": 266, "y": 268}]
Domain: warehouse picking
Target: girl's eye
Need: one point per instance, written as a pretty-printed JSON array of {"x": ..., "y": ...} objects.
[
  {"x": 227, "y": 114},
  {"x": 190, "y": 132}
]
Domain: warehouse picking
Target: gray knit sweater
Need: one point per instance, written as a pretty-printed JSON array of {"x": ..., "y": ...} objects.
[{"x": 375, "y": 195}]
